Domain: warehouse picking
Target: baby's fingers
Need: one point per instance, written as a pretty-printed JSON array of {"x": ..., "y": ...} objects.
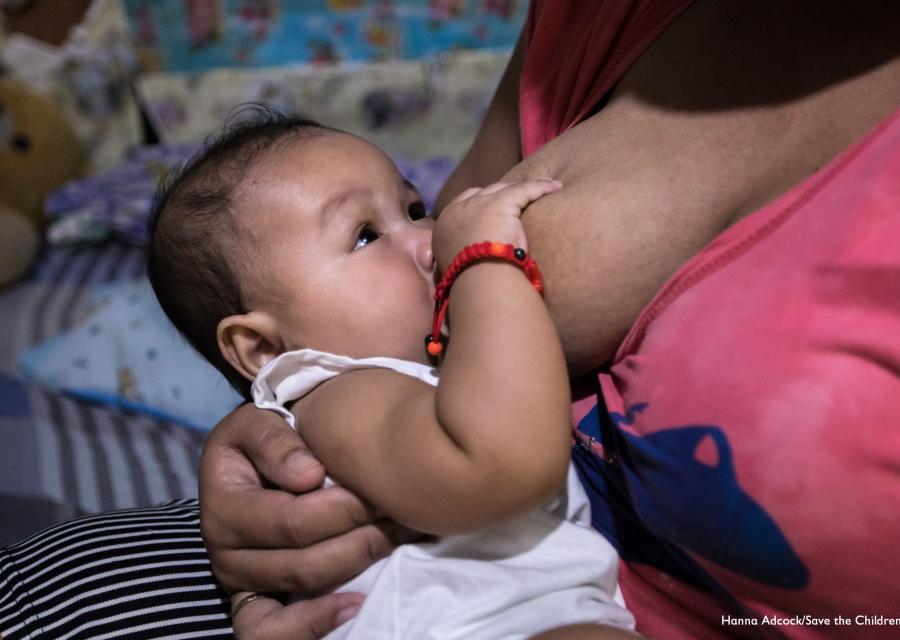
[
  {"x": 521, "y": 194},
  {"x": 465, "y": 195},
  {"x": 479, "y": 191},
  {"x": 493, "y": 188}
]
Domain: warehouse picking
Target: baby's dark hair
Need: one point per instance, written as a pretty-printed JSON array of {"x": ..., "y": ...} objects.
[{"x": 193, "y": 231}]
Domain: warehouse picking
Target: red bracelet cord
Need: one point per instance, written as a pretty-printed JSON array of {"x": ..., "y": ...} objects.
[{"x": 474, "y": 253}]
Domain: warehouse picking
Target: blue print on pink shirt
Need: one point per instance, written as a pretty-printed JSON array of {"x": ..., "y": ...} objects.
[{"x": 676, "y": 489}]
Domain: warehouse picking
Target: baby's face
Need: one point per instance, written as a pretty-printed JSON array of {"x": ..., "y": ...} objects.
[{"x": 345, "y": 240}]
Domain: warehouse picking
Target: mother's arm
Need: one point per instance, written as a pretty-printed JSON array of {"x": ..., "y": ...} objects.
[{"x": 496, "y": 147}]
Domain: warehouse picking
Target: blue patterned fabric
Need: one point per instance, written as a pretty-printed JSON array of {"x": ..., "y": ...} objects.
[{"x": 127, "y": 354}]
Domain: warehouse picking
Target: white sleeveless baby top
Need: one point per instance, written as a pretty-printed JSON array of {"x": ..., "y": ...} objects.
[
  {"x": 542, "y": 570},
  {"x": 292, "y": 375}
]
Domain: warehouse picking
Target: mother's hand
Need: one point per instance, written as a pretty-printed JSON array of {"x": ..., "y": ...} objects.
[
  {"x": 267, "y": 619},
  {"x": 267, "y": 524}
]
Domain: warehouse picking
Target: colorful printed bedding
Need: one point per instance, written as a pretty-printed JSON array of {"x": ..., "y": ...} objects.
[{"x": 197, "y": 35}]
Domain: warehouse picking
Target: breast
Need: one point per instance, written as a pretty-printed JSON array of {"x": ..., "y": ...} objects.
[{"x": 686, "y": 146}]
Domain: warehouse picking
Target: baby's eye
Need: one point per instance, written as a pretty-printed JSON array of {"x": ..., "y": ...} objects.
[
  {"x": 417, "y": 211},
  {"x": 366, "y": 235}
]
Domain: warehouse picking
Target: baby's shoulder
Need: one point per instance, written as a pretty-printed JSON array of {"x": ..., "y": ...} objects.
[
  {"x": 347, "y": 421},
  {"x": 370, "y": 394}
]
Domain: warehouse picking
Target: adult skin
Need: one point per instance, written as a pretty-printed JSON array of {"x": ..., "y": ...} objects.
[{"x": 735, "y": 103}]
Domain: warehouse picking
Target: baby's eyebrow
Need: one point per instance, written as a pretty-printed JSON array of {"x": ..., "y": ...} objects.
[{"x": 334, "y": 204}]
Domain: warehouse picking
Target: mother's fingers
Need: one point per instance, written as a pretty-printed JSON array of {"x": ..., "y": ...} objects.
[
  {"x": 268, "y": 619},
  {"x": 272, "y": 519},
  {"x": 251, "y": 443},
  {"x": 312, "y": 570}
]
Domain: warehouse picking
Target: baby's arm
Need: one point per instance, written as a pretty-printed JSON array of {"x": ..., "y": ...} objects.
[{"x": 492, "y": 440}]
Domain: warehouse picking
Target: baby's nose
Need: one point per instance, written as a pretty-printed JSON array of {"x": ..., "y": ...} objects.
[{"x": 424, "y": 254}]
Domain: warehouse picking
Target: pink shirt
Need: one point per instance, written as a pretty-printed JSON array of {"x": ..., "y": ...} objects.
[
  {"x": 743, "y": 449},
  {"x": 576, "y": 50}
]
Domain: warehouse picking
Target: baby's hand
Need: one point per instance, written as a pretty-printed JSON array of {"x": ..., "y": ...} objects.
[{"x": 489, "y": 214}]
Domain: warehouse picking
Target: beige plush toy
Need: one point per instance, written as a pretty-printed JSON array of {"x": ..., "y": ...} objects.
[{"x": 38, "y": 152}]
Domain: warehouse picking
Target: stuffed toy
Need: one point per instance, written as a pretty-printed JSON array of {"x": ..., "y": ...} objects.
[{"x": 39, "y": 151}]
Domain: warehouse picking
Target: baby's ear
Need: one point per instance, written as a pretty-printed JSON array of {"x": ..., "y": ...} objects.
[{"x": 248, "y": 341}]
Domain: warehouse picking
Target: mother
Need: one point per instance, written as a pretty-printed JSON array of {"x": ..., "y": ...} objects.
[{"x": 723, "y": 267}]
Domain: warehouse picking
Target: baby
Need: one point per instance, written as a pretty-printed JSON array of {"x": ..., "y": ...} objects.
[{"x": 297, "y": 257}]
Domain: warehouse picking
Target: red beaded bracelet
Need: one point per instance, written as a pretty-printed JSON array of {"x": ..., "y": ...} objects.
[{"x": 470, "y": 254}]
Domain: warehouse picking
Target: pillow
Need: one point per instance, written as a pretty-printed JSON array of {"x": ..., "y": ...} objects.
[
  {"x": 127, "y": 354},
  {"x": 115, "y": 203}
]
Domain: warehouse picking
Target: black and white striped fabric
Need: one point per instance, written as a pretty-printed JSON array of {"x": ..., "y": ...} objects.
[{"x": 130, "y": 575}]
